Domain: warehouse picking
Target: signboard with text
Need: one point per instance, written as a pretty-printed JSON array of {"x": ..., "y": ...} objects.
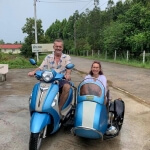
[
  {"x": 42, "y": 47},
  {"x": 3, "y": 68}
]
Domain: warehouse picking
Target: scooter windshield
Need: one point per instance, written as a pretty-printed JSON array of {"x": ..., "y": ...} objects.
[{"x": 91, "y": 87}]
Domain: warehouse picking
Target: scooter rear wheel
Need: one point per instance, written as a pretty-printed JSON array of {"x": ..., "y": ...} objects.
[{"x": 35, "y": 141}]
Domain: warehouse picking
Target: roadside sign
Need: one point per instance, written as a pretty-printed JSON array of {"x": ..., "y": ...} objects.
[
  {"x": 42, "y": 47},
  {"x": 3, "y": 68}
]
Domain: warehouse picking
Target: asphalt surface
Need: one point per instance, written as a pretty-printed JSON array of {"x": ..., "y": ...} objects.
[
  {"x": 131, "y": 80},
  {"x": 15, "y": 116}
]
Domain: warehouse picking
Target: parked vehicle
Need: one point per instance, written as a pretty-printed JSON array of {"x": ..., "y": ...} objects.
[
  {"x": 96, "y": 116},
  {"x": 43, "y": 105}
]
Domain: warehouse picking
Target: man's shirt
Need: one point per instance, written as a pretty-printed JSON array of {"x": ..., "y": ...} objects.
[{"x": 49, "y": 63}]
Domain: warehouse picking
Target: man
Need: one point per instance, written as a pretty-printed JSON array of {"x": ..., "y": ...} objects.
[{"x": 58, "y": 61}]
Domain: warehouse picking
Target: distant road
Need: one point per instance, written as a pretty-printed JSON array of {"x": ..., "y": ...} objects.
[{"x": 133, "y": 81}]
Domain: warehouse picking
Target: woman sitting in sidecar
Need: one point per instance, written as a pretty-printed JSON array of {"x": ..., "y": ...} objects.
[
  {"x": 96, "y": 74},
  {"x": 92, "y": 114},
  {"x": 91, "y": 117}
]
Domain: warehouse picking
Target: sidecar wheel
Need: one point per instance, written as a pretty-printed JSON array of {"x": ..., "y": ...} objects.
[
  {"x": 35, "y": 141},
  {"x": 120, "y": 125}
]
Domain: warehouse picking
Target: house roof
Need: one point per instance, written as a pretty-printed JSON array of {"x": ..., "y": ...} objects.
[{"x": 10, "y": 46}]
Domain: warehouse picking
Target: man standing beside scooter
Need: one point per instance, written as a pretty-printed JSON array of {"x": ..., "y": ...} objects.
[{"x": 58, "y": 61}]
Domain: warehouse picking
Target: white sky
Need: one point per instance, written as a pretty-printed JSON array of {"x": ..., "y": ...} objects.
[{"x": 13, "y": 14}]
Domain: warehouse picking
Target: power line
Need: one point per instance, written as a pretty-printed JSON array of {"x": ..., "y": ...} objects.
[
  {"x": 70, "y": 1},
  {"x": 63, "y": 1},
  {"x": 86, "y": 5},
  {"x": 103, "y": 4}
]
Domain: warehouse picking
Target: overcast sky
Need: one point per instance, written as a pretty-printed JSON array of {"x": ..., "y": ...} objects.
[{"x": 13, "y": 14}]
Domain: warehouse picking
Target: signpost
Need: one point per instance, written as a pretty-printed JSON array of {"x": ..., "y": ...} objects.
[
  {"x": 42, "y": 48},
  {"x": 3, "y": 71}
]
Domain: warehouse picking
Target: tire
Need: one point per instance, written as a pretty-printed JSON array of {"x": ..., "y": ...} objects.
[
  {"x": 35, "y": 141},
  {"x": 120, "y": 125}
]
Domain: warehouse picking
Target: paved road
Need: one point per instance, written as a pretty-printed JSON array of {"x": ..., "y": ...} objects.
[
  {"x": 133, "y": 81},
  {"x": 14, "y": 119}
]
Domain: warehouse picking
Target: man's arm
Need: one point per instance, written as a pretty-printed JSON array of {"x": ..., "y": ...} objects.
[
  {"x": 68, "y": 74},
  {"x": 68, "y": 71},
  {"x": 31, "y": 74}
]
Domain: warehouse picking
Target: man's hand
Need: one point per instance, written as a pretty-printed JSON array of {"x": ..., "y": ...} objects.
[
  {"x": 31, "y": 74},
  {"x": 68, "y": 76}
]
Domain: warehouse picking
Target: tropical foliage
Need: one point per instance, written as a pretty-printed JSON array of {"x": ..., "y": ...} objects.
[
  {"x": 29, "y": 29},
  {"x": 122, "y": 26}
]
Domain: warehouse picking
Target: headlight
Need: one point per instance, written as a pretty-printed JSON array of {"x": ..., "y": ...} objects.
[{"x": 47, "y": 76}]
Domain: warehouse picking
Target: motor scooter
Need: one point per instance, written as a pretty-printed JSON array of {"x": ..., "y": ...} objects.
[
  {"x": 96, "y": 116},
  {"x": 43, "y": 105}
]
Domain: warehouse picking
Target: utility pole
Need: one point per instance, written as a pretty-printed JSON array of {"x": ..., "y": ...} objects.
[
  {"x": 75, "y": 43},
  {"x": 36, "y": 41},
  {"x": 75, "y": 35}
]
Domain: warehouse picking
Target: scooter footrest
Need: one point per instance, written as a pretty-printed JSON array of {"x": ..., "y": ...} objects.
[{"x": 69, "y": 123}]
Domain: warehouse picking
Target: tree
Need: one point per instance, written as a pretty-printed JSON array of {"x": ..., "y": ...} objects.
[
  {"x": 29, "y": 29},
  {"x": 56, "y": 30},
  {"x": 2, "y": 42},
  {"x": 124, "y": 26},
  {"x": 137, "y": 28},
  {"x": 113, "y": 38},
  {"x": 94, "y": 28}
]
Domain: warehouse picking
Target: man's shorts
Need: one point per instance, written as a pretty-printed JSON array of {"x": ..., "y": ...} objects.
[{"x": 62, "y": 82}]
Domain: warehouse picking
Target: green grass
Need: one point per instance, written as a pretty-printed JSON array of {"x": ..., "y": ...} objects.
[
  {"x": 18, "y": 61},
  {"x": 15, "y": 61},
  {"x": 134, "y": 63}
]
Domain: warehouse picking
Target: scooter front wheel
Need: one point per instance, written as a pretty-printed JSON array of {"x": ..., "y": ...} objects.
[{"x": 35, "y": 141}]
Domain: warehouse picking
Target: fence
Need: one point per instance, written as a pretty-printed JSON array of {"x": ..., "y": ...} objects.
[{"x": 115, "y": 56}]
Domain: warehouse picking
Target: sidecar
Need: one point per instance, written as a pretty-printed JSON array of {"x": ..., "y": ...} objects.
[{"x": 93, "y": 117}]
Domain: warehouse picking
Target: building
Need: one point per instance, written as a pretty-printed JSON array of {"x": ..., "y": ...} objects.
[{"x": 10, "y": 48}]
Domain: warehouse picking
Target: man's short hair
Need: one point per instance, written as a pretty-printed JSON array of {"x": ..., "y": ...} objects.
[{"x": 59, "y": 40}]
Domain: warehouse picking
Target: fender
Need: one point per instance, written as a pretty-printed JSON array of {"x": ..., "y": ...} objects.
[{"x": 39, "y": 121}]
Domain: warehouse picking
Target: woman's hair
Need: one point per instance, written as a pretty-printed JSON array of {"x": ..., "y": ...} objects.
[{"x": 100, "y": 72}]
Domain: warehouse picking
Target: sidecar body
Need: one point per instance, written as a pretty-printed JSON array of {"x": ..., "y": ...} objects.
[
  {"x": 95, "y": 115},
  {"x": 91, "y": 116}
]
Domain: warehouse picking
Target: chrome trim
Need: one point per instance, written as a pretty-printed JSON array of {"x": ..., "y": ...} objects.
[
  {"x": 43, "y": 89},
  {"x": 41, "y": 95},
  {"x": 112, "y": 130},
  {"x": 85, "y": 128}
]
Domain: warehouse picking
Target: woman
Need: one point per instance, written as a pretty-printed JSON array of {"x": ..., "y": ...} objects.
[{"x": 97, "y": 73}]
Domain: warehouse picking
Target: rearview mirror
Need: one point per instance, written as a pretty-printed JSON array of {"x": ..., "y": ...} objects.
[
  {"x": 70, "y": 66},
  {"x": 32, "y": 61}
]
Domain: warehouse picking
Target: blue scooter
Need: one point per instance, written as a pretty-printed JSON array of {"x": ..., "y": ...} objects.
[
  {"x": 43, "y": 105},
  {"x": 96, "y": 116}
]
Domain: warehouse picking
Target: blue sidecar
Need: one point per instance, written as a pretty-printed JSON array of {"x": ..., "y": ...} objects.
[{"x": 95, "y": 116}]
